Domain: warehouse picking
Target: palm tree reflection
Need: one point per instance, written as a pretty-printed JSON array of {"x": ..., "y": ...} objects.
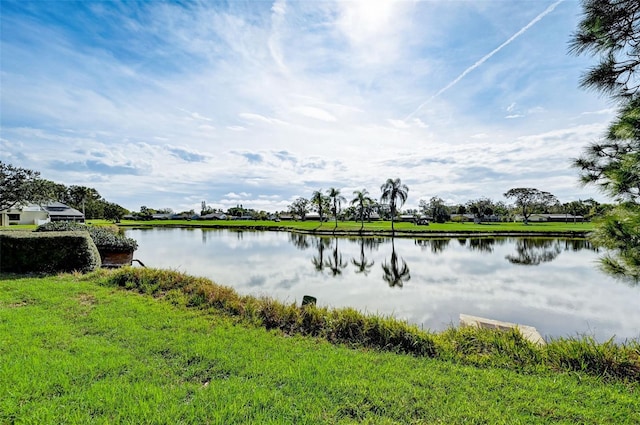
[
  {"x": 532, "y": 252},
  {"x": 335, "y": 263},
  {"x": 395, "y": 274},
  {"x": 363, "y": 265},
  {"x": 318, "y": 261}
]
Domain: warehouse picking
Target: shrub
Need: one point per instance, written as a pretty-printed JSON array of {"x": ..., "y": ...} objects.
[
  {"x": 105, "y": 238},
  {"x": 28, "y": 252}
]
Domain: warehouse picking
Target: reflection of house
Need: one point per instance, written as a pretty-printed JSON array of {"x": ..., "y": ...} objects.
[{"x": 35, "y": 214}]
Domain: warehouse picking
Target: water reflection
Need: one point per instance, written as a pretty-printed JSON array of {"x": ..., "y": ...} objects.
[
  {"x": 395, "y": 274},
  {"x": 533, "y": 252},
  {"x": 321, "y": 244},
  {"x": 436, "y": 245},
  {"x": 362, "y": 264},
  {"x": 299, "y": 240},
  {"x": 562, "y": 293},
  {"x": 335, "y": 264}
]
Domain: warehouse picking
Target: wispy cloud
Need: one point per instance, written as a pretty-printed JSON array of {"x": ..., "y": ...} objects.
[{"x": 488, "y": 56}]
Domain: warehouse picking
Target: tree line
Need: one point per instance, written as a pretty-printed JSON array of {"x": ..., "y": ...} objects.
[
  {"x": 393, "y": 194},
  {"x": 20, "y": 186}
]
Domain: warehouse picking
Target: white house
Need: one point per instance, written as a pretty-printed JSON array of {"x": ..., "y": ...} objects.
[{"x": 35, "y": 214}]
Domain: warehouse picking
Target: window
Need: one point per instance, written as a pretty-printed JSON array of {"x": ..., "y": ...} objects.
[{"x": 14, "y": 217}]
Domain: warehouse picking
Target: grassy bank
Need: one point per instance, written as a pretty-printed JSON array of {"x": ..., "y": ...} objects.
[
  {"x": 380, "y": 227},
  {"x": 78, "y": 349}
]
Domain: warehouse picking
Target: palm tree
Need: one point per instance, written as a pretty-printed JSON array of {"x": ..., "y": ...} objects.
[
  {"x": 392, "y": 192},
  {"x": 318, "y": 199},
  {"x": 336, "y": 199},
  {"x": 363, "y": 200}
]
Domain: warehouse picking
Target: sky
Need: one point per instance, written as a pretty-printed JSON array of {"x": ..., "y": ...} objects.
[{"x": 168, "y": 104}]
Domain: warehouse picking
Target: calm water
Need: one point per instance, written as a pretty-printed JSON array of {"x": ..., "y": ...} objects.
[{"x": 552, "y": 284}]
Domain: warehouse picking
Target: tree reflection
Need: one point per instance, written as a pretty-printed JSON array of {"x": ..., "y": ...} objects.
[
  {"x": 532, "y": 252},
  {"x": 578, "y": 245},
  {"x": 395, "y": 274},
  {"x": 481, "y": 244},
  {"x": 436, "y": 245},
  {"x": 363, "y": 265},
  {"x": 318, "y": 261},
  {"x": 334, "y": 263},
  {"x": 299, "y": 240}
]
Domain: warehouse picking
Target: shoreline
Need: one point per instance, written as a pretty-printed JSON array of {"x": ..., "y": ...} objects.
[{"x": 403, "y": 233}]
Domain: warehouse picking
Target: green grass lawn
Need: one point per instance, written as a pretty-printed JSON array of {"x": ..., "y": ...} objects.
[
  {"x": 72, "y": 351},
  {"x": 376, "y": 226}
]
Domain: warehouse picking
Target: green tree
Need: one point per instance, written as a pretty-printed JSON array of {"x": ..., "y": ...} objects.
[
  {"x": 336, "y": 200},
  {"x": 610, "y": 30},
  {"x": 529, "y": 200},
  {"x": 435, "y": 208},
  {"x": 17, "y": 186},
  {"x": 393, "y": 191},
  {"x": 47, "y": 190},
  {"x": 114, "y": 212},
  {"x": 363, "y": 202},
  {"x": 85, "y": 199},
  {"x": 299, "y": 208},
  {"x": 480, "y": 208},
  {"x": 319, "y": 202}
]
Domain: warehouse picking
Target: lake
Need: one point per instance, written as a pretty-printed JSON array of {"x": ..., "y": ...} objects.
[{"x": 552, "y": 284}]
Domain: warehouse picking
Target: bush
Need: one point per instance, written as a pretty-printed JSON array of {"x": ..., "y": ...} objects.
[
  {"x": 104, "y": 238},
  {"x": 28, "y": 252}
]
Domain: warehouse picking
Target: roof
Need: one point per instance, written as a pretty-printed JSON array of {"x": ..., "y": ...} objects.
[{"x": 59, "y": 209}]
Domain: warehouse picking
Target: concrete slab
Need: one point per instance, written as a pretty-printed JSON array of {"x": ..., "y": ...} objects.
[{"x": 528, "y": 332}]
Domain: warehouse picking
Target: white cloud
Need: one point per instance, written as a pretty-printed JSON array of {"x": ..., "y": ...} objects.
[{"x": 316, "y": 113}]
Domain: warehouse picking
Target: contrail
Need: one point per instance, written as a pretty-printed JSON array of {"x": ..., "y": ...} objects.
[{"x": 487, "y": 57}]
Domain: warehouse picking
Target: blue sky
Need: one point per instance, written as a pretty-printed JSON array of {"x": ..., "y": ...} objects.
[{"x": 167, "y": 104}]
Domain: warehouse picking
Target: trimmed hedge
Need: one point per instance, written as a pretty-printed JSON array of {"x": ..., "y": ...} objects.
[
  {"x": 105, "y": 238},
  {"x": 50, "y": 252}
]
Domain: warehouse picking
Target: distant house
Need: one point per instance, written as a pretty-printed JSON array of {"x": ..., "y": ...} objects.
[
  {"x": 552, "y": 218},
  {"x": 408, "y": 218},
  {"x": 314, "y": 216},
  {"x": 35, "y": 214},
  {"x": 160, "y": 216},
  {"x": 61, "y": 212},
  {"x": 214, "y": 216}
]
